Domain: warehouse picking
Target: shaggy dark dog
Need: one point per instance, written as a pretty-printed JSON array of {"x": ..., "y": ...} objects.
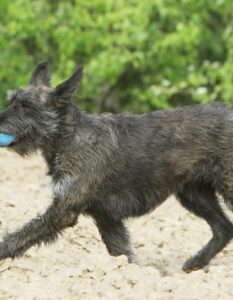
[{"x": 112, "y": 167}]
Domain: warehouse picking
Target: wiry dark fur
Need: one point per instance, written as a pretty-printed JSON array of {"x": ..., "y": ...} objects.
[{"x": 116, "y": 166}]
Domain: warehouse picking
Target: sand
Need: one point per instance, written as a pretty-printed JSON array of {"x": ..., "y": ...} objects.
[{"x": 78, "y": 266}]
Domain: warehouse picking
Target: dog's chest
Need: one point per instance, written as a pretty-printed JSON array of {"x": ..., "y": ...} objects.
[{"x": 61, "y": 187}]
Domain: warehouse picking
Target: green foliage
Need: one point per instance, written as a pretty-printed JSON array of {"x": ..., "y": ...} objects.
[{"x": 138, "y": 55}]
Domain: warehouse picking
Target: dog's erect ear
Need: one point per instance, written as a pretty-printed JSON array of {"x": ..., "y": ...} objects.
[
  {"x": 65, "y": 91},
  {"x": 40, "y": 75}
]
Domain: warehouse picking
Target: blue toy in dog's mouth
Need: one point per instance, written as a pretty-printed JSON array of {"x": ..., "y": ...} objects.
[{"x": 6, "y": 139}]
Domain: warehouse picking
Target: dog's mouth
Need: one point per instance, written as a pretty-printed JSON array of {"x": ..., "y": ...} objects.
[{"x": 19, "y": 138}]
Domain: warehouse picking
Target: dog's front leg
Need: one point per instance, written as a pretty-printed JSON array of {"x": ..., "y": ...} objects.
[{"x": 44, "y": 228}]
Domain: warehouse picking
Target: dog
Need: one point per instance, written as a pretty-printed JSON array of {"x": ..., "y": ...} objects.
[{"x": 112, "y": 167}]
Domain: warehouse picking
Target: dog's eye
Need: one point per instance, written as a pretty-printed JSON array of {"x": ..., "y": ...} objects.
[{"x": 24, "y": 104}]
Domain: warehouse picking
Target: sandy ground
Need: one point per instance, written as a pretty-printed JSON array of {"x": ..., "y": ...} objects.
[{"x": 78, "y": 267}]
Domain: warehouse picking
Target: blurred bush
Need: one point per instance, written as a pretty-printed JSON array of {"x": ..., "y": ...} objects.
[{"x": 138, "y": 55}]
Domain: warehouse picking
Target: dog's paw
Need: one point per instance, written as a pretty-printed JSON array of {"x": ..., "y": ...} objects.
[
  {"x": 194, "y": 263},
  {"x": 133, "y": 259},
  {"x": 4, "y": 252}
]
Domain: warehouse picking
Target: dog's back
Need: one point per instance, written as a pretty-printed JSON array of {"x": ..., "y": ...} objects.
[{"x": 158, "y": 152}]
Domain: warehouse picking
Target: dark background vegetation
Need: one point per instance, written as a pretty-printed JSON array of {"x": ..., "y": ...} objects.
[{"x": 138, "y": 55}]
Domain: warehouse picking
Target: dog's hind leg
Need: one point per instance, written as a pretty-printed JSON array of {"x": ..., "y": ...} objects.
[
  {"x": 115, "y": 236},
  {"x": 202, "y": 201}
]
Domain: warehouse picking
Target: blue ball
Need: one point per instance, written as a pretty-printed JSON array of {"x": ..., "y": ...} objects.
[{"x": 6, "y": 139}]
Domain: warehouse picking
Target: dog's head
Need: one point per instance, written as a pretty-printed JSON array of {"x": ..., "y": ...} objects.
[{"x": 33, "y": 114}]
